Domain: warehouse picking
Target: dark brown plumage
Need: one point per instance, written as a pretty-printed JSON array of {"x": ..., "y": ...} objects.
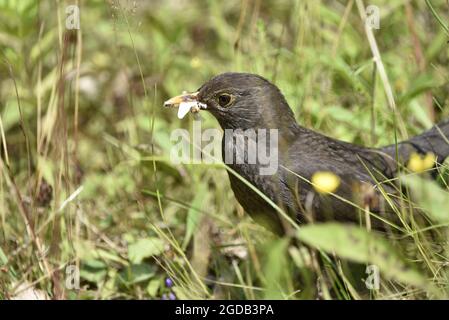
[{"x": 247, "y": 101}]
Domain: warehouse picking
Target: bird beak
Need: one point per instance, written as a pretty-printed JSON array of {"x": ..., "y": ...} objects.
[
  {"x": 185, "y": 102},
  {"x": 184, "y": 97}
]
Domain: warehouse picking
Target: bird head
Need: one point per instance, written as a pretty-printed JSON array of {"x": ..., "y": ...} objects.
[{"x": 238, "y": 101}]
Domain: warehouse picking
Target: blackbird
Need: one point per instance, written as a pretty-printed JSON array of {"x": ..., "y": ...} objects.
[{"x": 242, "y": 101}]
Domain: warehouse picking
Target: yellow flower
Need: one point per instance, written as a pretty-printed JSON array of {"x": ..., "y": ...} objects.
[
  {"x": 325, "y": 182},
  {"x": 418, "y": 164}
]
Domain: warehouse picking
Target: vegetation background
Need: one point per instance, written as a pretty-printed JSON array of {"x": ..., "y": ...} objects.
[{"x": 86, "y": 183}]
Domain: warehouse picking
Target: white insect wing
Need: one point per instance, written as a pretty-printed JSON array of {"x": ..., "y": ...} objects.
[{"x": 184, "y": 108}]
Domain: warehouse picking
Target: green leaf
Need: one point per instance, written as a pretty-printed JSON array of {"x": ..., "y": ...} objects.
[
  {"x": 274, "y": 266},
  {"x": 87, "y": 251},
  {"x": 137, "y": 273},
  {"x": 429, "y": 196},
  {"x": 93, "y": 270},
  {"x": 359, "y": 245},
  {"x": 153, "y": 287},
  {"x": 144, "y": 248}
]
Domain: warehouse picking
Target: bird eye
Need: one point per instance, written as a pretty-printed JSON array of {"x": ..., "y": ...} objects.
[{"x": 224, "y": 99}]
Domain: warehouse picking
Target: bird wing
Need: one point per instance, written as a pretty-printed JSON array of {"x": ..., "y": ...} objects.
[{"x": 362, "y": 172}]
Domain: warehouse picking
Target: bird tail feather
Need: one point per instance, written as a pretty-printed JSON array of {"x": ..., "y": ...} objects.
[{"x": 435, "y": 140}]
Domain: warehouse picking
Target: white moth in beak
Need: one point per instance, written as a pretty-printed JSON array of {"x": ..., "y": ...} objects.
[
  {"x": 185, "y": 103},
  {"x": 185, "y": 107}
]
